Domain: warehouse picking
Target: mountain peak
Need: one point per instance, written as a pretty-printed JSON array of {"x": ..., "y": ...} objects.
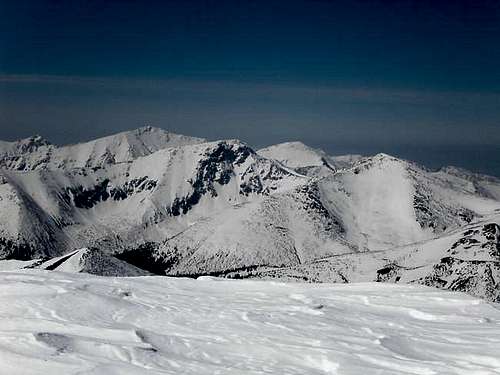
[
  {"x": 297, "y": 144},
  {"x": 35, "y": 140},
  {"x": 38, "y": 139},
  {"x": 117, "y": 148},
  {"x": 293, "y": 145},
  {"x": 294, "y": 154},
  {"x": 25, "y": 145},
  {"x": 384, "y": 156},
  {"x": 379, "y": 159},
  {"x": 308, "y": 160},
  {"x": 148, "y": 129}
]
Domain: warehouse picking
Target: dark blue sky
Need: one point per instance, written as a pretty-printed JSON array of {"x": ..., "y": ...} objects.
[{"x": 349, "y": 76}]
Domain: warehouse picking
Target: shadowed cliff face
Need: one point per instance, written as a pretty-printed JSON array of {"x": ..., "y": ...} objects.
[
  {"x": 215, "y": 167},
  {"x": 83, "y": 197}
]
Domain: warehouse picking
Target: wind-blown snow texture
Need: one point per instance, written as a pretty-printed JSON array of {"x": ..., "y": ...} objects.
[
  {"x": 56, "y": 323},
  {"x": 149, "y": 201}
]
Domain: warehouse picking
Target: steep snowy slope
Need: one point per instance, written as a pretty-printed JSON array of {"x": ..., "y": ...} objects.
[
  {"x": 59, "y": 323},
  {"x": 36, "y": 153},
  {"x": 121, "y": 206},
  {"x": 283, "y": 229},
  {"x": 386, "y": 202},
  {"x": 91, "y": 261},
  {"x": 385, "y": 195},
  {"x": 27, "y": 231}
]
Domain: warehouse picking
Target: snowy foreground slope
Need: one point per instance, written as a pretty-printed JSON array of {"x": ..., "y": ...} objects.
[{"x": 61, "y": 323}]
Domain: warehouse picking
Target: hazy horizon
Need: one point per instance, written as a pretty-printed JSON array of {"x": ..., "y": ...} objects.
[
  {"x": 415, "y": 79},
  {"x": 476, "y": 158}
]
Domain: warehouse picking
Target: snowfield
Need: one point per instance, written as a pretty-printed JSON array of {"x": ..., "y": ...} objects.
[{"x": 61, "y": 323}]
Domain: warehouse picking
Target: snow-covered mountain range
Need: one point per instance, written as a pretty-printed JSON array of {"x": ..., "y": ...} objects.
[{"x": 149, "y": 201}]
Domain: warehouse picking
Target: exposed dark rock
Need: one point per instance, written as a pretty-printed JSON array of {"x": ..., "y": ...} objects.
[
  {"x": 233, "y": 273},
  {"x": 387, "y": 273},
  {"x": 88, "y": 197},
  {"x": 429, "y": 212},
  {"x": 134, "y": 186},
  {"x": 145, "y": 257},
  {"x": 13, "y": 250},
  {"x": 256, "y": 175},
  {"x": 474, "y": 266},
  {"x": 479, "y": 278},
  {"x": 83, "y": 197},
  {"x": 216, "y": 166},
  {"x": 313, "y": 202}
]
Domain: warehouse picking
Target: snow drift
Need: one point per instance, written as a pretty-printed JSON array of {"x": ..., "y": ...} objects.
[{"x": 60, "y": 323}]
